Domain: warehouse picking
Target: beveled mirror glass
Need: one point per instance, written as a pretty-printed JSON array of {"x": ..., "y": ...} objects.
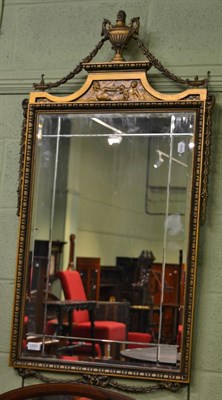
[{"x": 113, "y": 181}]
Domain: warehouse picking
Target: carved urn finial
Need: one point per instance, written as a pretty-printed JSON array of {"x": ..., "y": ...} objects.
[{"x": 120, "y": 34}]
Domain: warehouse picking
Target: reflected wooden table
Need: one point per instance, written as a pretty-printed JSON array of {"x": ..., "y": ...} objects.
[
  {"x": 142, "y": 317},
  {"x": 166, "y": 354},
  {"x": 145, "y": 318},
  {"x": 64, "y": 310}
]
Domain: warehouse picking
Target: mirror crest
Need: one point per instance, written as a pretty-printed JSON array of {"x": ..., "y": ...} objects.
[{"x": 128, "y": 83}]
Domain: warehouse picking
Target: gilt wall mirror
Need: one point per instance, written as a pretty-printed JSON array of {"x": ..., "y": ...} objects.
[{"x": 113, "y": 187}]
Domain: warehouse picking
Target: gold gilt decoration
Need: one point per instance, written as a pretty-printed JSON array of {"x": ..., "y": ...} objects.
[
  {"x": 120, "y": 34},
  {"x": 22, "y": 154},
  {"x": 196, "y": 82},
  {"x": 117, "y": 91},
  {"x": 103, "y": 381},
  {"x": 43, "y": 86},
  {"x": 113, "y": 87},
  {"x": 207, "y": 139}
]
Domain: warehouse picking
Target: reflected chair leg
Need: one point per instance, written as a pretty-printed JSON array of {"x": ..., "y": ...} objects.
[{"x": 107, "y": 349}]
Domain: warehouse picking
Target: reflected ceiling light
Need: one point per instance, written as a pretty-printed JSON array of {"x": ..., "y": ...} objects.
[
  {"x": 114, "y": 140},
  {"x": 159, "y": 161},
  {"x": 39, "y": 133},
  {"x": 172, "y": 123},
  {"x": 181, "y": 148},
  {"x": 191, "y": 145},
  {"x": 99, "y": 121}
]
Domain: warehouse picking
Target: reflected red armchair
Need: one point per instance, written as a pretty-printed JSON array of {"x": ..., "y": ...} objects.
[
  {"x": 73, "y": 290},
  {"x": 138, "y": 337}
]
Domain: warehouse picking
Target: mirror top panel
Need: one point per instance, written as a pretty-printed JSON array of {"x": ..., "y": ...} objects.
[
  {"x": 113, "y": 181},
  {"x": 118, "y": 83}
]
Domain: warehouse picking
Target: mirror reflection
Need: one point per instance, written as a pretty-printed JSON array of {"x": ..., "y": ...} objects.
[{"x": 109, "y": 237}]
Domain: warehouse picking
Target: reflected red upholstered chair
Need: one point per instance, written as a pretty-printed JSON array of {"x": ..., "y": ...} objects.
[
  {"x": 138, "y": 337},
  {"x": 179, "y": 336},
  {"x": 73, "y": 290}
]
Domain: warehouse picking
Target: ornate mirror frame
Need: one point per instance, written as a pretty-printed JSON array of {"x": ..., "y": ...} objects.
[{"x": 120, "y": 77}]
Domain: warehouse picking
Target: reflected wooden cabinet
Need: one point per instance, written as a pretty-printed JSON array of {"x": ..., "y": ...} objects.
[
  {"x": 89, "y": 269},
  {"x": 41, "y": 254},
  {"x": 110, "y": 283},
  {"x": 117, "y": 283},
  {"x": 39, "y": 261}
]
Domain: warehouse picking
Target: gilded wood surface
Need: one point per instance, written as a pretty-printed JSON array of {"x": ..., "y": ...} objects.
[
  {"x": 110, "y": 87},
  {"x": 128, "y": 90}
]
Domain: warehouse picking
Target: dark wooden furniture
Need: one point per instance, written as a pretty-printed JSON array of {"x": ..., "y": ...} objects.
[
  {"x": 108, "y": 330},
  {"x": 117, "y": 282},
  {"x": 39, "y": 261},
  {"x": 110, "y": 283},
  {"x": 89, "y": 269},
  {"x": 113, "y": 311},
  {"x": 142, "y": 318},
  {"x": 62, "y": 391},
  {"x": 64, "y": 310},
  {"x": 41, "y": 251},
  {"x": 127, "y": 270}
]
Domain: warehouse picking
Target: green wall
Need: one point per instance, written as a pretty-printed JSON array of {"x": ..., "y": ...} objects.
[{"x": 51, "y": 37}]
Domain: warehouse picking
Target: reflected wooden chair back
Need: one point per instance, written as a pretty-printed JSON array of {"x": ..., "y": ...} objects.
[
  {"x": 74, "y": 290},
  {"x": 89, "y": 269},
  {"x": 103, "y": 329}
]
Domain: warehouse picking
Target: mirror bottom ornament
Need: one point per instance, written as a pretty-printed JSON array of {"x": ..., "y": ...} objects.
[{"x": 103, "y": 382}]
